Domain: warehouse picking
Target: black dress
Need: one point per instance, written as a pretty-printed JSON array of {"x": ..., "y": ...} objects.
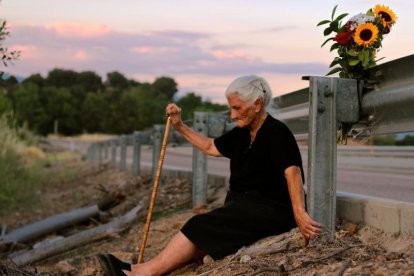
[{"x": 258, "y": 202}]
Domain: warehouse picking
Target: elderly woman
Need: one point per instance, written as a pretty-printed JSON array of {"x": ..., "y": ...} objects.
[{"x": 266, "y": 196}]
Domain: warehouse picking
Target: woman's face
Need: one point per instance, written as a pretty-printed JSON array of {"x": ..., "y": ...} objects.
[{"x": 243, "y": 113}]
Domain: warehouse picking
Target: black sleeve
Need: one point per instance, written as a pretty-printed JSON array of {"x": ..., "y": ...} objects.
[
  {"x": 286, "y": 149},
  {"x": 225, "y": 144}
]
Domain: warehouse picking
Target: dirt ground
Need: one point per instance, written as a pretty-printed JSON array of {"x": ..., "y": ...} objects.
[{"x": 75, "y": 183}]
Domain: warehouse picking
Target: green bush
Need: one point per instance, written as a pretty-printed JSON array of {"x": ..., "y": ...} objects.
[{"x": 17, "y": 181}]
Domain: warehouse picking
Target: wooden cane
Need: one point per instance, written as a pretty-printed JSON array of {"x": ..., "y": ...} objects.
[{"x": 154, "y": 190}]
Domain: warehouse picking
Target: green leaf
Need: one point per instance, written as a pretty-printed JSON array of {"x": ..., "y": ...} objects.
[
  {"x": 342, "y": 29},
  {"x": 361, "y": 56},
  {"x": 333, "y": 12},
  {"x": 326, "y": 41},
  {"x": 323, "y": 22},
  {"x": 354, "y": 62},
  {"x": 334, "y": 62},
  {"x": 352, "y": 53},
  {"x": 341, "y": 16},
  {"x": 367, "y": 53},
  {"x": 327, "y": 31},
  {"x": 366, "y": 60},
  {"x": 334, "y": 46},
  {"x": 334, "y": 26},
  {"x": 335, "y": 70}
]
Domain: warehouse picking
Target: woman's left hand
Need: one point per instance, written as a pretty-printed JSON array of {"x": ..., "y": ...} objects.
[{"x": 308, "y": 227}]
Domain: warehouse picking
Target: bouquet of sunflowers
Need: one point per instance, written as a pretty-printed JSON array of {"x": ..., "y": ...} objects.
[{"x": 358, "y": 40}]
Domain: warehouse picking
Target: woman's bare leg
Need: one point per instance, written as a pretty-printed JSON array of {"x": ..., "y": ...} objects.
[{"x": 177, "y": 253}]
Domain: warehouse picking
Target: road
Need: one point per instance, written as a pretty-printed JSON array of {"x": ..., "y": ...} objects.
[{"x": 390, "y": 177}]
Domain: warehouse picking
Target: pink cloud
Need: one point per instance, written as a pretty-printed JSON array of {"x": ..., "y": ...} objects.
[
  {"x": 26, "y": 51},
  {"x": 81, "y": 55},
  {"x": 235, "y": 54},
  {"x": 153, "y": 50},
  {"x": 80, "y": 30}
]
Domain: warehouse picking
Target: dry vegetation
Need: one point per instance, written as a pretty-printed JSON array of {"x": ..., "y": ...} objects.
[{"x": 73, "y": 183}]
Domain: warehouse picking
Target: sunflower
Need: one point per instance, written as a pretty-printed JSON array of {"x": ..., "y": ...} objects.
[
  {"x": 366, "y": 34},
  {"x": 388, "y": 17}
]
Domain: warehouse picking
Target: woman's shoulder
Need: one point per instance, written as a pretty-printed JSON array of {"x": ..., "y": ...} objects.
[{"x": 275, "y": 124}]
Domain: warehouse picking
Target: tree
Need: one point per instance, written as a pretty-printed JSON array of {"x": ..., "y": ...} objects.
[
  {"x": 166, "y": 86},
  {"x": 35, "y": 79},
  {"x": 116, "y": 80},
  {"x": 384, "y": 140},
  {"x": 136, "y": 109},
  {"x": 94, "y": 109},
  {"x": 28, "y": 108},
  {"x": 89, "y": 81},
  {"x": 192, "y": 102},
  {"x": 7, "y": 84},
  {"x": 61, "y": 78},
  {"x": 60, "y": 106},
  {"x": 6, "y": 55},
  {"x": 189, "y": 103},
  {"x": 406, "y": 141},
  {"x": 5, "y": 105}
]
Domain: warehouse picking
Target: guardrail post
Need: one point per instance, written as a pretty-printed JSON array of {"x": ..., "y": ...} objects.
[
  {"x": 156, "y": 149},
  {"x": 89, "y": 153},
  {"x": 332, "y": 101},
  {"x": 114, "y": 143},
  {"x": 136, "y": 153},
  {"x": 200, "y": 162},
  {"x": 122, "y": 166},
  {"x": 99, "y": 148},
  {"x": 95, "y": 153},
  {"x": 106, "y": 151},
  {"x": 321, "y": 184}
]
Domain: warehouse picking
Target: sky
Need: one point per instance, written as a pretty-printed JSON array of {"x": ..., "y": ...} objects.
[{"x": 202, "y": 44}]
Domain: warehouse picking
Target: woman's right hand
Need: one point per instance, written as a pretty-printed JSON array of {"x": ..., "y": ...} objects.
[{"x": 174, "y": 112}]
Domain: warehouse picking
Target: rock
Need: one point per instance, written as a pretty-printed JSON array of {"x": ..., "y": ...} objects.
[
  {"x": 245, "y": 258},
  {"x": 352, "y": 228},
  {"x": 381, "y": 258},
  {"x": 380, "y": 272},
  {"x": 208, "y": 259},
  {"x": 64, "y": 267}
]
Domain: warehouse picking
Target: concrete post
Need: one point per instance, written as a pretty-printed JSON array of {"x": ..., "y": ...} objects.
[
  {"x": 113, "y": 152},
  {"x": 99, "y": 146},
  {"x": 95, "y": 153},
  {"x": 136, "y": 153},
  {"x": 200, "y": 162},
  {"x": 106, "y": 151},
  {"x": 122, "y": 166},
  {"x": 89, "y": 154},
  {"x": 157, "y": 136}
]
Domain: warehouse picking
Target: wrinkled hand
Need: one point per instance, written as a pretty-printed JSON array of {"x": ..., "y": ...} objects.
[
  {"x": 308, "y": 227},
  {"x": 174, "y": 112}
]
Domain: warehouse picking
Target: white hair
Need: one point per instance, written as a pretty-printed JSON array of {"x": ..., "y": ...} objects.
[{"x": 250, "y": 88}]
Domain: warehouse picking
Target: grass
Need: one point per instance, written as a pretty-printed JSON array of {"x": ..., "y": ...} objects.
[
  {"x": 169, "y": 211},
  {"x": 18, "y": 182},
  {"x": 18, "y": 177}
]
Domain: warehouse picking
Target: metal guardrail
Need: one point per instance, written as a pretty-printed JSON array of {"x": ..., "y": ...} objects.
[{"x": 382, "y": 105}]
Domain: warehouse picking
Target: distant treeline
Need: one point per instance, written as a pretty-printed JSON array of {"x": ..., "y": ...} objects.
[
  {"x": 81, "y": 102},
  {"x": 393, "y": 140}
]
